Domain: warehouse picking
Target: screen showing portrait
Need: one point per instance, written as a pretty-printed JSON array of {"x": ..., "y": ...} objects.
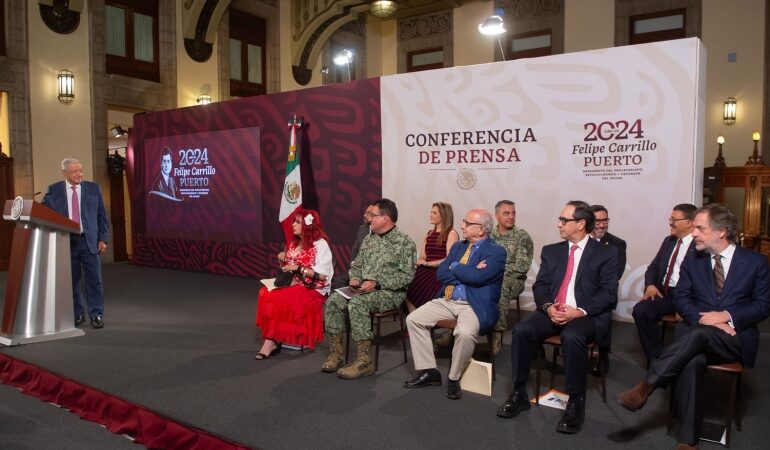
[{"x": 205, "y": 186}]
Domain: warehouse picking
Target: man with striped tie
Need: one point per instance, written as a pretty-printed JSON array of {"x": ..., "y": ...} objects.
[
  {"x": 722, "y": 294},
  {"x": 575, "y": 286}
]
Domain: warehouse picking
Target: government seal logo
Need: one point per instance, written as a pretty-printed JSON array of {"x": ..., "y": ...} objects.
[
  {"x": 16, "y": 207},
  {"x": 292, "y": 192},
  {"x": 466, "y": 179}
]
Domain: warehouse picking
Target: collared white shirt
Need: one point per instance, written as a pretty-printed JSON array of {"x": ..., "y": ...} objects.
[
  {"x": 679, "y": 258},
  {"x": 577, "y": 257},
  {"x": 80, "y": 203}
]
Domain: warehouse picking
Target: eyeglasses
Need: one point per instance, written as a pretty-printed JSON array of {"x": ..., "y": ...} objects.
[
  {"x": 672, "y": 220},
  {"x": 467, "y": 224},
  {"x": 564, "y": 220},
  {"x": 602, "y": 220}
]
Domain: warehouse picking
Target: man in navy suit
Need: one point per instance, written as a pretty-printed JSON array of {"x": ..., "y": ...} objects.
[
  {"x": 575, "y": 286},
  {"x": 603, "y": 236},
  {"x": 722, "y": 294},
  {"x": 661, "y": 278},
  {"x": 82, "y": 202},
  {"x": 472, "y": 275}
]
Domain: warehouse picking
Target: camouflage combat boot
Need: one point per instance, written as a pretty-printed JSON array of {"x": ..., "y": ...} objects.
[
  {"x": 334, "y": 359},
  {"x": 363, "y": 365}
]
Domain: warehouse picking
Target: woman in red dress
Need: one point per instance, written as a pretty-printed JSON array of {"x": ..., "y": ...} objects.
[
  {"x": 294, "y": 314},
  {"x": 435, "y": 247}
]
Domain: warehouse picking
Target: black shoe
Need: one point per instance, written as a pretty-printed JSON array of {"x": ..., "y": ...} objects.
[
  {"x": 515, "y": 404},
  {"x": 600, "y": 364},
  {"x": 260, "y": 356},
  {"x": 80, "y": 319},
  {"x": 574, "y": 415},
  {"x": 428, "y": 377},
  {"x": 97, "y": 322},
  {"x": 453, "y": 390}
]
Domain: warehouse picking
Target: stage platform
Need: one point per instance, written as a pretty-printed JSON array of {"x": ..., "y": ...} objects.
[{"x": 181, "y": 345}]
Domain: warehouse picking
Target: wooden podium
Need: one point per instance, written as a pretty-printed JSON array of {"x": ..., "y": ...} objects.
[{"x": 38, "y": 294}]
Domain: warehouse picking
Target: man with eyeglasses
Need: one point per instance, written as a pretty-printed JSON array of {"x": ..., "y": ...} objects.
[
  {"x": 519, "y": 248},
  {"x": 723, "y": 293},
  {"x": 576, "y": 284},
  {"x": 603, "y": 236},
  {"x": 661, "y": 278},
  {"x": 471, "y": 277},
  {"x": 364, "y": 230},
  {"x": 379, "y": 276}
]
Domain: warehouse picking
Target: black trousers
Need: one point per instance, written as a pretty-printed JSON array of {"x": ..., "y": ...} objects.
[
  {"x": 684, "y": 361},
  {"x": 530, "y": 333},
  {"x": 647, "y": 314}
]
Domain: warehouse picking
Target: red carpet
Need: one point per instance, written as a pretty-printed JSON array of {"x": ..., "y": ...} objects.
[{"x": 117, "y": 415}]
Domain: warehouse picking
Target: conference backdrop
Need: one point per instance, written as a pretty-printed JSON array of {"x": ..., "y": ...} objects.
[
  {"x": 227, "y": 161},
  {"x": 620, "y": 127}
]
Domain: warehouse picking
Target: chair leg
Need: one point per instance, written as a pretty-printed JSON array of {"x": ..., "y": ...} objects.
[
  {"x": 518, "y": 309},
  {"x": 403, "y": 334},
  {"x": 553, "y": 367},
  {"x": 377, "y": 345},
  {"x": 491, "y": 354},
  {"x": 347, "y": 338},
  {"x": 731, "y": 408},
  {"x": 671, "y": 406},
  {"x": 739, "y": 404},
  {"x": 540, "y": 364}
]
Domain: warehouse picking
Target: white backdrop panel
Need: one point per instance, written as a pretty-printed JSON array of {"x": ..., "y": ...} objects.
[{"x": 622, "y": 127}]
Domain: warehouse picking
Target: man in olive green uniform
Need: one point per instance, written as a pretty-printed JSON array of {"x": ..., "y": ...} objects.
[
  {"x": 379, "y": 276},
  {"x": 518, "y": 246}
]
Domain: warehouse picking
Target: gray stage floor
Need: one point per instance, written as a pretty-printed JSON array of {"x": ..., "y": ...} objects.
[{"x": 182, "y": 344}]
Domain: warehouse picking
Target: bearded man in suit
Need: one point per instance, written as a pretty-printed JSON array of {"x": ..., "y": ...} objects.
[{"x": 722, "y": 294}]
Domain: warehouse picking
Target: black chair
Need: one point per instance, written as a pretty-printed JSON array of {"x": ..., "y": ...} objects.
[
  {"x": 451, "y": 324},
  {"x": 376, "y": 320},
  {"x": 555, "y": 341}
]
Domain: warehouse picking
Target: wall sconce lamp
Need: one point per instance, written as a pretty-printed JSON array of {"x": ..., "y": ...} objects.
[
  {"x": 720, "y": 161},
  {"x": 494, "y": 26},
  {"x": 755, "y": 159},
  {"x": 66, "y": 82},
  {"x": 203, "y": 99},
  {"x": 118, "y": 131},
  {"x": 383, "y": 8},
  {"x": 731, "y": 107}
]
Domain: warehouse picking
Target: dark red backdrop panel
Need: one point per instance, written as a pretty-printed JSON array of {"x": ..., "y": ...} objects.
[{"x": 340, "y": 162}]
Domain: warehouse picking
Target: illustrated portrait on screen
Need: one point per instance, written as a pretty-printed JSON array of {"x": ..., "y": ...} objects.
[{"x": 164, "y": 184}]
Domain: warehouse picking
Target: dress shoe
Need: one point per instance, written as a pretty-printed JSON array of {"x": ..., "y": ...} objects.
[
  {"x": 453, "y": 390},
  {"x": 685, "y": 446},
  {"x": 97, "y": 322},
  {"x": 80, "y": 319},
  {"x": 574, "y": 415},
  {"x": 634, "y": 398},
  {"x": 515, "y": 404},
  {"x": 428, "y": 377}
]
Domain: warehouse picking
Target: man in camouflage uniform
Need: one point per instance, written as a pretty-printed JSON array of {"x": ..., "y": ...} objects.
[
  {"x": 518, "y": 245},
  {"x": 380, "y": 275}
]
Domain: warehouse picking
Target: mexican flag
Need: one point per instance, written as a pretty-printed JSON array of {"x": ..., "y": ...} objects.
[{"x": 291, "y": 195}]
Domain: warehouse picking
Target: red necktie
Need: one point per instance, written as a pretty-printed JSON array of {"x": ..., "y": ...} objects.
[
  {"x": 561, "y": 297},
  {"x": 671, "y": 267},
  {"x": 75, "y": 205}
]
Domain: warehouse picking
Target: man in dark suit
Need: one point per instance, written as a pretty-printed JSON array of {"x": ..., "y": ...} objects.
[
  {"x": 471, "y": 277},
  {"x": 82, "y": 202},
  {"x": 603, "y": 236},
  {"x": 722, "y": 294},
  {"x": 164, "y": 183},
  {"x": 575, "y": 286},
  {"x": 661, "y": 278}
]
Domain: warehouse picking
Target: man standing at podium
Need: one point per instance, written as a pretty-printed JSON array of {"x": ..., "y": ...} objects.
[{"x": 82, "y": 202}]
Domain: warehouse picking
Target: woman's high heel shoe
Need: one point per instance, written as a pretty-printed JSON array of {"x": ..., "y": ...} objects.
[{"x": 260, "y": 356}]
